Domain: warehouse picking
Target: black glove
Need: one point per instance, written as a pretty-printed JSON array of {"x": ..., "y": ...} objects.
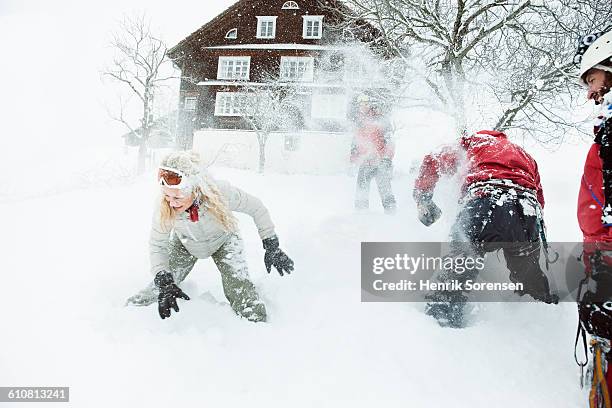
[
  {"x": 429, "y": 212},
  {"x": 168, "y": 292},
  {"x": 549, "y": 298},
  {"x": 276, "y": 257},
  {"x": 552, "y": 298}
]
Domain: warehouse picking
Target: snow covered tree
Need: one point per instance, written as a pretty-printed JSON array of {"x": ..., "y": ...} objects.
[
  {"x": 141, "y": 67},
  {"x": 513, "y": 56},
  {"x": 270, "y": 107}
]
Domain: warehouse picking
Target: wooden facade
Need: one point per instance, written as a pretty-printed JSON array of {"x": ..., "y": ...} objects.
[{"x": 253, "y": 41}]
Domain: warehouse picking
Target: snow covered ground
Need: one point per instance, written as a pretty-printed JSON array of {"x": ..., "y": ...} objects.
[
  {"x": 75, "y": 224},
  {"x": 71, "y": 257}
]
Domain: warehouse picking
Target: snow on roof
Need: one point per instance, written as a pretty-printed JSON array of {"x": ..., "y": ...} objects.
[{"x": 291, "y": 46}]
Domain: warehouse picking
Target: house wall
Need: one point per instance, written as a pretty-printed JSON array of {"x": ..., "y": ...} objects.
[
  {"x": 199, "y": 63},
  {"x": 302, "y": 152},
  {"x": 243, "y": 16},
  {"x": 264, "y": 63},
  {"x": 191, "y": 53},
  {"x": 322, "y": 109}
]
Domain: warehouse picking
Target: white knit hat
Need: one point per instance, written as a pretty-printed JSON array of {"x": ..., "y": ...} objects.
[{"x": 188, "y": 164}]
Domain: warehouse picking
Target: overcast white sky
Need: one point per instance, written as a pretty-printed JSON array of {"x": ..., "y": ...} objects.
[{"x": 51, "y": 94}]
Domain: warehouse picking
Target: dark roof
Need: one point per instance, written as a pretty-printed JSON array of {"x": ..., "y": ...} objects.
[{"x": 174, "y": 52}]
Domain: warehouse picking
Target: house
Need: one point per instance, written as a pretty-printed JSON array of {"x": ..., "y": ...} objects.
[{"x": 296, "y": 43}]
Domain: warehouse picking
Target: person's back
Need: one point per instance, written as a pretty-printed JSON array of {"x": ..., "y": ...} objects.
[
  {"x": 484, "y": 157},
  {"x": 501, "y": 208},
  {"x": 491, "y": 155}
]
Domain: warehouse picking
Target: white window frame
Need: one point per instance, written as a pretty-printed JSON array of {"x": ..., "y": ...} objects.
[
  {"x": 232, "y": 34},
  {"x": 266, "y": 19},
  {"x": 190, "y": 103},
  {"x": 308, "y": 75},
  {"x": 290, "y": 5},
  {"x": 225, "y": 103},
  {"x": 221, "y": 74},
  {"x": 313, "y": 19}
]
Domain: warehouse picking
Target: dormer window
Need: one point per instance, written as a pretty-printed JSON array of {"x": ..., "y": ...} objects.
[
  {"x": 232, "y": 34},
  {"x": 313, "y": 27},
  {"x": 266, "y": 26},
  {"x": 291, "y": 5}
]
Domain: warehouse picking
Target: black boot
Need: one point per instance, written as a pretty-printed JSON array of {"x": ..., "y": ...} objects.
[
  {"x": 389, "y": 205},
  {"x": 447, "y": 308}
]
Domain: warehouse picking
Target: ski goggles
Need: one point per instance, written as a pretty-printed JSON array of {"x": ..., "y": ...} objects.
[{"x": 170, "y": 177}]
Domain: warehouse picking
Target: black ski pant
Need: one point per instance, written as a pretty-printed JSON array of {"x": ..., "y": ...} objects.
[
  {"x": 487, "y": 224},
  {"x": 595, "y": 302},
  {"x": 382, "y": 173}
]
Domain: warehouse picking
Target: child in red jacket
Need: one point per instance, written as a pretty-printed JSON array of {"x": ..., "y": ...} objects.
[
  {"x": 502, "y": 203},
  {"x": 372, "y": 150}
]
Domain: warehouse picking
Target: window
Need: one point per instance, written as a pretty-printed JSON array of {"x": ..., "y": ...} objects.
[
  {"x": 291, "y": 5},
  {"x": 229, "y": 103},
  {"x": 190, "y": 103},
  {"x": 233, "y": 68},
  {"x": 313, "y": 26},
  {"x": 296, "y": 69},
  {"x": 266, "y": 26},
  {"x": 232, "y": 34}
]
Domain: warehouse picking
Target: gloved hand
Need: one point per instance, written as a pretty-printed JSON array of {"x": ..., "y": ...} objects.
[
  {"x": 551, "y": 298},
  {"x": 168, "y": 292},
  {"x": 429, "y": 212},
  {"x": 276, "y": 257}
]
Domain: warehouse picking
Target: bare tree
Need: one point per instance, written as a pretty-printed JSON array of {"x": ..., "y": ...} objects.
[
  {"x": 515, "y": 52},
  {"x": 269, "y": 106},
  {"x": 140, "y": 65},
  {"x": 536, "y": 81}
]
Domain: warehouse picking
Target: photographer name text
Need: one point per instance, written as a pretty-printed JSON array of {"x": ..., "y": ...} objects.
[{"x": 454, "y": 285}]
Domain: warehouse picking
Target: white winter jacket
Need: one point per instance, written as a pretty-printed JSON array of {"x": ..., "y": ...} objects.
[{"x": 206, "y": 236}]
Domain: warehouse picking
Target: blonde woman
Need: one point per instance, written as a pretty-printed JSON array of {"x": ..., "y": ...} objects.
[{"x": 195, "y": 221}]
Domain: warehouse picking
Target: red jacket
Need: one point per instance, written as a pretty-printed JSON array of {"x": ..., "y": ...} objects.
[
  {"x": 591, "y": 200},
  {"x": 490, "y": 155},
  {"x": 370, "y": 143}
]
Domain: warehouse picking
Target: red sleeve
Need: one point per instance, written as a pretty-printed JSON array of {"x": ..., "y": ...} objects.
[
  {"x": 434, "y": 165},
  {"x": 539, "y": 190}
]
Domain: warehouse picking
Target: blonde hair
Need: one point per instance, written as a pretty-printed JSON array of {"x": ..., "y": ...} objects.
[{"x": 204, "y": 189}]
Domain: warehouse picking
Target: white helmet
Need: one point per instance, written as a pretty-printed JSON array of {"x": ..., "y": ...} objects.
[{"x": 594, "y": 50}]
